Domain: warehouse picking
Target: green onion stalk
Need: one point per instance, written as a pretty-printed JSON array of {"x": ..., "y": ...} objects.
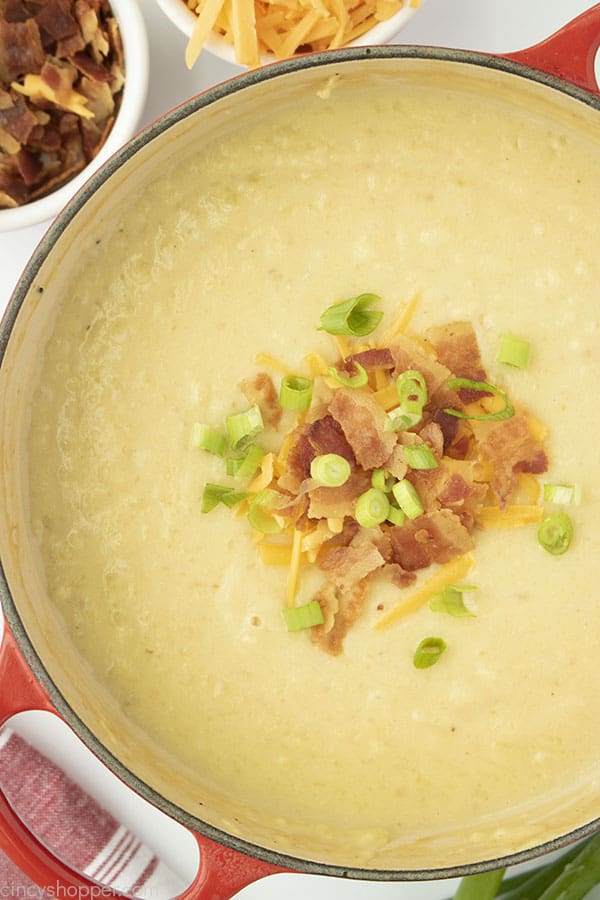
[{"x": 571, "y": 877}]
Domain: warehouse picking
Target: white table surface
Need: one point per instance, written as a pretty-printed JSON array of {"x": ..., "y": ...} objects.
[{"x": 486, "y": 25}]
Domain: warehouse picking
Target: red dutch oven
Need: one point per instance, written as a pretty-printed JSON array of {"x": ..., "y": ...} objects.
[{"x": 565, "y": 64}]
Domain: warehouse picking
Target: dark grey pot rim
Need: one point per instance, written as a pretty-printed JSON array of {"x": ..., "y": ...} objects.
[{"x": 13, "y": 619}]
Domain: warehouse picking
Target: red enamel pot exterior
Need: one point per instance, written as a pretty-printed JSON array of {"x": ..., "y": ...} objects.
[{"x": 564, "y": 60}]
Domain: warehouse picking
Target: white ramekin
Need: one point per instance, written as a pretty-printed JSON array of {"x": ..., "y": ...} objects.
[
  {"x": 183, "y": 17},
  {"x": 135, "y": 47}
]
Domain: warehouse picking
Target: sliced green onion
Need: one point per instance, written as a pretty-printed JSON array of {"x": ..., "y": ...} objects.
[
  {"x": 352, "y": 316},
  {"x": 379, "y": 480},
  {"x": 243, "y": 426},
  {"x": 483, "y": 886},
  {"x": 232, "y": 498},
  {"x": 556, "y": 533},
  {"x": 412, "y": 391},
  {"x": 456, "y": 384},
  {"x": 354, "y": 381},
  {"x": 261, "y": 511},
  {"x": 299, "y": 617},
  {"x": 295, "y": 392},
  {"x": 206, "y": 438},
  {"x": 248, "y": 464},
  {"x": 232, "y": 465},
  {"x": 420, "y": 456},
  {"x": 451, "y": 601},
  {"x": 408, "y": 498},
  {"x": 428, "y": 652},
  {"x": 219, "y": 493},
  {"x": 396, "y": 516},
  {"x": 330, "y": 470},
  {"x": 513, "y": 351},
  {"x": 399, "y": 419},
  {"x": 562, "y": 494},
  {"x": 371, "y": 508},
  {"x": 212, "y": 496}
]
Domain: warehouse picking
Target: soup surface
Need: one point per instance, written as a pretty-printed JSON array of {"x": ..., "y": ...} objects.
[{"x": 489, "y": 213}]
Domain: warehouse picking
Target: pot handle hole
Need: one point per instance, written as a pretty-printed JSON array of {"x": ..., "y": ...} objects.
[
  {"x": 222, "y": 872},
  {"x": 570, "y": 53}
]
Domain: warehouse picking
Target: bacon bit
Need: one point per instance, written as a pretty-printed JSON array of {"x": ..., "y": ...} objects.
[
  {"x": 512, "y": 449},
  {"x": 435, "y": 537},
  {"x": 396, "y": 464},
  {"x": 429, "y": 484},
  {"x": 363, "y": 423},
  {"x": 399, "y": 576},
  {"x": 29, "y": 167},
  {"x": 326, "y": 436},
  {"x": 260, "y": 390},
  {"x": 383, "y": 542},
  {"x": 337, "y": 502},
  {"x": 457, "y": 348},
  {"x": 100, "y": 101},
  {"x": 56, "y": 21},
  {"x": 88, "y": 67},
  {"x": 463, "y": 498},
  {"x": 299, "y": 458},
  {"x": 456, "y": 490},
  {"x": 63, "y": 57},
  {"x": 408, "y": 354},
  {"x": 449, "y": 426},
  {"x": 340, "y": 610},
  {"x": 16, "y": 119},
  {"x": 21, "y": 50},
  {"x": 346, "y": 566},
  {"x": 432, "y": 434},
  {"x": 375, "y": 358},
  {"x": 14, "y": 11}
]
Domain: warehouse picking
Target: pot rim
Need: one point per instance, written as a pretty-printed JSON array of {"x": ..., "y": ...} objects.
[{"x": 55, "y": 231}]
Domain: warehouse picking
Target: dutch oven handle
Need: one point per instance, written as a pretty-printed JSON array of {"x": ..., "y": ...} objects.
[
  {"x": 222, "y": 873},
  {"x": 570, "y": 53}
]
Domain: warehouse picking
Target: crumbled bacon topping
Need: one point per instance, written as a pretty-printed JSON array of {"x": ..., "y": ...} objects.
[
  {"x": 61, "y": 80},
  {"x": 473, "y": 463},
  {"x": 363, "y": 422}
]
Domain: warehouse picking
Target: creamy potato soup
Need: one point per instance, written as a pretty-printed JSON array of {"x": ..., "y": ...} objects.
[{"x": 485, "y": 211}]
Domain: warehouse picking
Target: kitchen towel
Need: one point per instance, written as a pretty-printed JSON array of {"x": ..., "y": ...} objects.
[{"x": 76, "y": 828}]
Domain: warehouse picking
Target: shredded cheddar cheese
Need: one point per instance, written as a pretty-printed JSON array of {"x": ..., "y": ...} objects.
[
  {"x": 316, "y": 364},
  {"x": 275, "y": 554},
  {"x": 403, "y": 320},
  {"x": 271, "y": 362},
  {"x": 292, "y": 582},
  {"x": 387, "y": 397},
  {"x": 511, "y": 517},
  {"x": 265, "y": 476},
  {"x": 35, "y": 87},
  {"x": 445, "y": 575}
]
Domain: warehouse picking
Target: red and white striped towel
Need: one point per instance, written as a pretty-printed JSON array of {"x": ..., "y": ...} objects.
[{"x": 75, "y": 827}]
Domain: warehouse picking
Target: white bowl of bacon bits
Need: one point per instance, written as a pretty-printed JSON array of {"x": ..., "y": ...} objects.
[
  {"x": 252, "y": 32},
  {"x": 73, "y": 82}
]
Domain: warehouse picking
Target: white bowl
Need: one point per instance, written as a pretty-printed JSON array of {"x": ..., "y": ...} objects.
[
  {"x": 183, "y": 17},
  {"x": 135, "y": 47}
]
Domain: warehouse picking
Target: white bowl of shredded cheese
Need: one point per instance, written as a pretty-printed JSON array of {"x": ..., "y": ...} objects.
[{"x": 251, "y": 32}]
